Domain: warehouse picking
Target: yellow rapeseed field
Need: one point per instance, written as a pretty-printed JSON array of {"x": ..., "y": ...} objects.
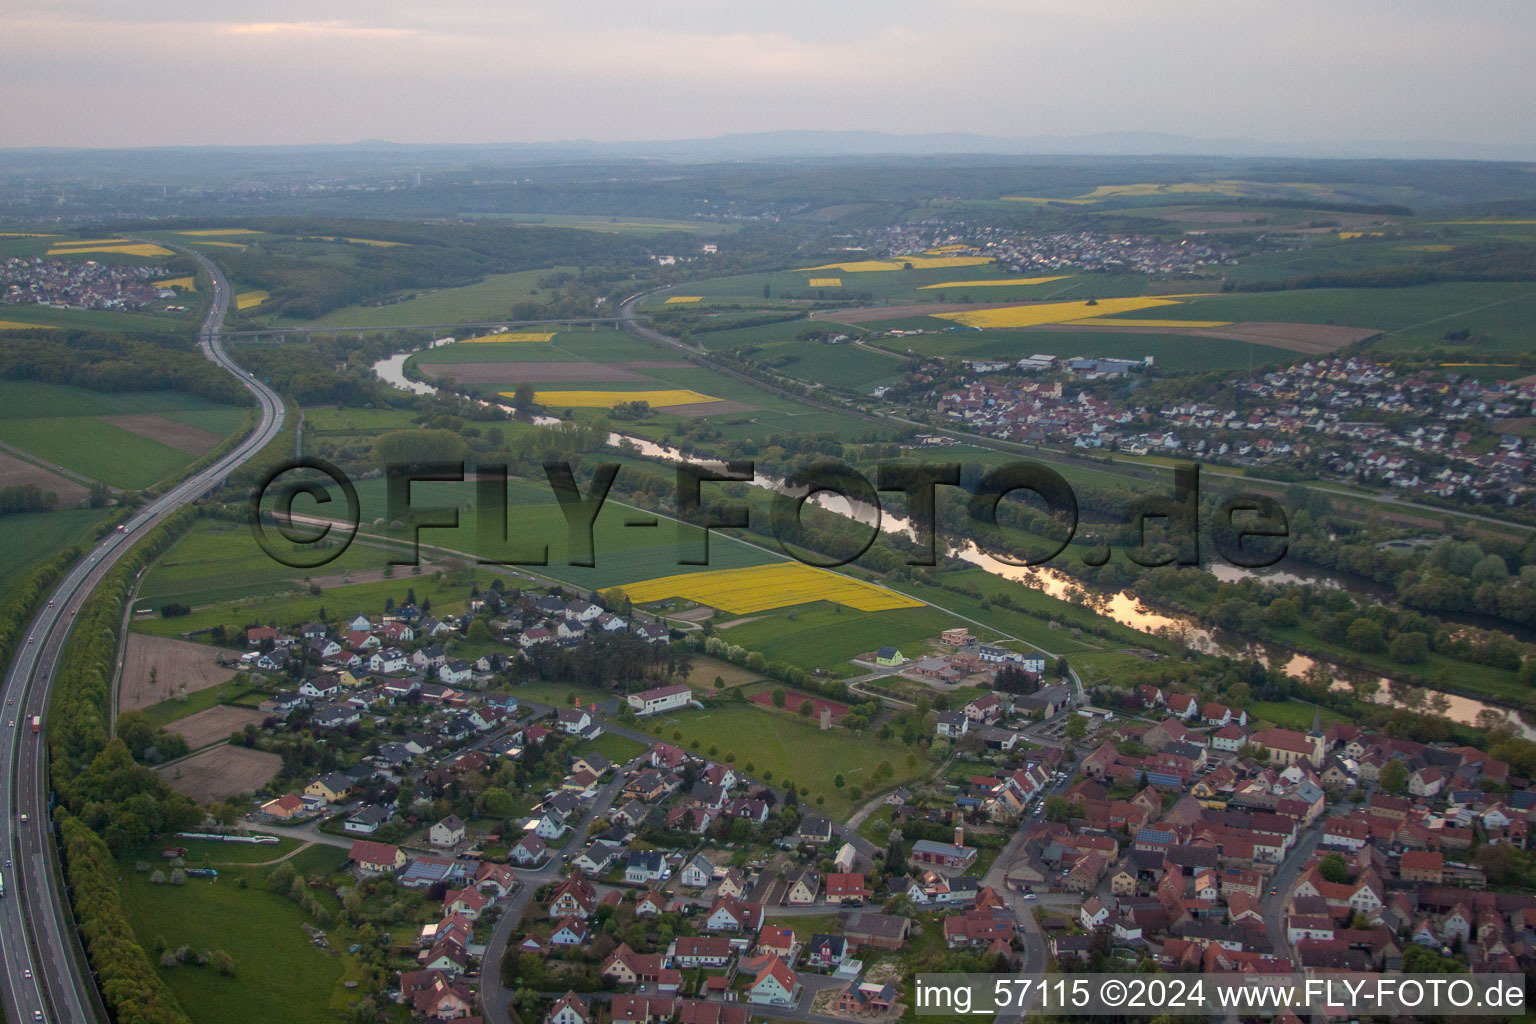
[
  {"x": 222, "y": 245},
  {"x": 941, "y": 250},
  {"x": 826, "y": 282},
  {"x": 1345, "y": 236},
  {"x": 12, "y": 325},
  {"x": 207, "y": 232},
  {"x": 72, "y": 242},
  {"x": 188, "y": 284},
  {"x": 1001, "y": 282},
  {"x": 510, "y": 337},
  {"x": 608, "y": 399},
  {"x": 121, "y": 249},
  {"x": 684, "y": 298},
  {"x": 1425, "y": 248},
  {"x": 246, "y": 300},
  {"x": 24, "y": 234},
  {"x": 1051, "y": 312},
  {"x": 900, "y": 262},
  {"x": 759, "y": 588}
]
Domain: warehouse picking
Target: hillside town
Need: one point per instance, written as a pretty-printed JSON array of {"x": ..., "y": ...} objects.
[{"x": 1445, "y": 434}]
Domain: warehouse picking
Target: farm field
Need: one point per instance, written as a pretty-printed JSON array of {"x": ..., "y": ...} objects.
[
  {"x": 742, "y": 410},
  {"x": 20, "y": 317},
  {"x": 296, "y": 608},
  {"x": 1000, "y": 282},
  {"x": 94, "y": 448},
  {"x": 110, "y": 246},
  {"x": 16, "y": 472},
  {"x": 1170, "y": 351},
  {"x": 493, "y": 297},
  {"x": 660, "y": 399},
  {"x": 269, "y": 949},
  {"x": 80, "y": 430},
  {"x": 32, "y": 538},
  {"x": 221, "y": 772},
  {"x": 509, "y": 337},
  {"x": 824, "y": 634},
  {"x": 744, "y": 591},
  {"x": 914, "y": 262},
  {"x": 1051, "y": 312},
  {"x": 1411, "y": 317},
  {"x": 177, "y": 666},
  {"x": 794, "y": 750},
  {"x": 215, "y": 724},
  {"x": 219, "y": 561}
]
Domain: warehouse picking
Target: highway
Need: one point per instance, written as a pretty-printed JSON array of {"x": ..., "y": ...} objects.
[{"x": 45, "y": 974}]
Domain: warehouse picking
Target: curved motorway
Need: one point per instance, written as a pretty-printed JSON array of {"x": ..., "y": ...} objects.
[{"x": 45, "y": 976}]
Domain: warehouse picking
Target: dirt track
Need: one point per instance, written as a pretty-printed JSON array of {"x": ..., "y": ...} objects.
[{"x": 176, "y": 663}]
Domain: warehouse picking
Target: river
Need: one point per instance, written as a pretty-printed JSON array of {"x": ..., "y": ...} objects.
[{"x": 1123, "y": 607}]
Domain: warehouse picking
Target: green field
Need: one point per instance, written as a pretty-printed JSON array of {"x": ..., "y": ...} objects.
[
  {"x": 211, "y": 853},
  {"x": 1291, "y": 714},
  {"x": 823, "y": 634},
  {"x": 794, "y": 749},
  {"x": 616, "y": 748},
  {"x": 486, "y": 300},
  {"x": 220, "y": 561},
  {"x": 32, "y": 538},
  {"x": 1170, "y": 351},
  {"x": 271, "y": 953},
  {"x": 58, "y": 424},
  {"x": 1413, "y": 317},
  {"x": 296, "y": 608},
  {"x": 99, "y": 319}
]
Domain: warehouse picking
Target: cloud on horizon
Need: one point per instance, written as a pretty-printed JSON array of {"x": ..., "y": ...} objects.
[{"x": 109, "y": 73}]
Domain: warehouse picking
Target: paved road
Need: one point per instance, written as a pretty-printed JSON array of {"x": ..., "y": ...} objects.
[
  {"x": 44, "y": 969},
  {"x": 494, "y": 996},
  {"x": 1282, "y": 880}
]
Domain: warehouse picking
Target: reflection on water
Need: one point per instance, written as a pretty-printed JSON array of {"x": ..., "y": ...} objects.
[{"x": 1123, "y": 607}]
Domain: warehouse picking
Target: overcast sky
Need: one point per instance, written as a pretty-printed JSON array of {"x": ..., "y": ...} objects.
[{"x": 178, "y": 72}]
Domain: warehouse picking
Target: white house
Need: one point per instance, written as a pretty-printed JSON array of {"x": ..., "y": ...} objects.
[
  {"x": 390, "y": 659},
  {"x": 448, "y": 832},
  {"x": 551, "y": 825},
  {"x": 698, "y": 873},
  {"x": 455, "y": 671},
  {"x": 569, "y": 1009},
  {"x": 320, "y": 686},
  {"x": 660, "y": 699}
]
